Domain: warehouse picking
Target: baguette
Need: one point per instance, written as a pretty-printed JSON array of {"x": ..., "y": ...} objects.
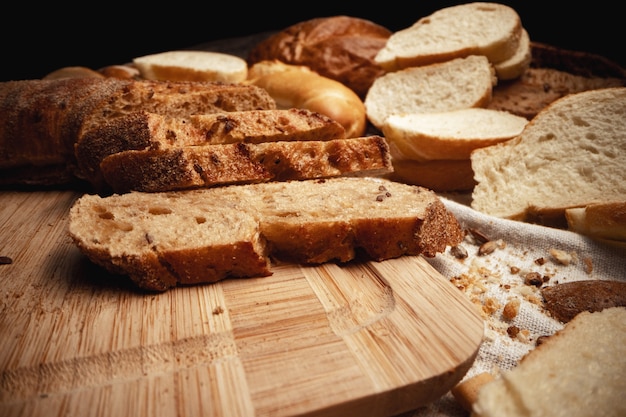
[
  {"x": 143, "y": 130},
  {"x": 161, "y": 240},
  {"x": 300, "y": 87},
  {"x": 341, "y": 48},
  {"x": 605, "y": 221},
  {"x": 451, "y": 85},
  {"x": 489, "y": 29},
  {"x": 40, "y": 120},
  {"x": 572, "y": 154},
  {"x": 206, "y": 166}
]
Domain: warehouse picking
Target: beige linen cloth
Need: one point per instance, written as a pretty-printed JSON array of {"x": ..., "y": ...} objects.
[{"x": 495, "y": 279}]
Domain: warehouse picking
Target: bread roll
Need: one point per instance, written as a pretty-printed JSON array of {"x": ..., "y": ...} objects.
[
  {"x": 299, "y": 86},
  {"x": 341, "y": 48}
]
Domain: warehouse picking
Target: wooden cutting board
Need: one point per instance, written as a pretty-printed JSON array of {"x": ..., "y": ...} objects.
[{"x": 366, "y": 339}]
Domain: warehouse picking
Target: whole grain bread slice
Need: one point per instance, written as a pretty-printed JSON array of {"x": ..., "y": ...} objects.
[
  {"x": 235, "y": 163},
  {"x": 150, "y": 131},
  {"x": 161, "y": 240}
]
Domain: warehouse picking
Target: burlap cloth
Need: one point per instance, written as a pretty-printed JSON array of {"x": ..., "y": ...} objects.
[{"x": 492, "y": 280}]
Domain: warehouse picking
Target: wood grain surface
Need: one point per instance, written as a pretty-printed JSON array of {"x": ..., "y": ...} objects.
[{"x": 367, "y": 339}]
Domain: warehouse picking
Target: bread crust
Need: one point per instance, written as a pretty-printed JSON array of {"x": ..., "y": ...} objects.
[
  {"x": 341, "y": 48},
  {"x": 165, "y": 239},
  {"x": 238, "y": 163}
]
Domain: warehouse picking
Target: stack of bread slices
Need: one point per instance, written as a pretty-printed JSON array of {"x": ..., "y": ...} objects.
[{"x": 432, "y": 104}]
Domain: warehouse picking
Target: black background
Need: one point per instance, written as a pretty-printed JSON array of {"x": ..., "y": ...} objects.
[{"x": 40, "y": 39}]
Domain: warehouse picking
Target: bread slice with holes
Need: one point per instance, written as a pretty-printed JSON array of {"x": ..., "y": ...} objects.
[
  {"x": 451, "y": 85},
  {"x": 479, "y": 28},
  {"x": 572, "y": 154},
  {"x": 239, "y": 163},
  {"x": 151, "y": 131},
  {"x": 161, "y": 240}
]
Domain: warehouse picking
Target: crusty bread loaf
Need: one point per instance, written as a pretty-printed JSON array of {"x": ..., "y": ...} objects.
[
  {"x": 188, "y": 65},
  {"x": 40, "y": 120},
  {"x": 572, "y": 154},
  {"x": 143, "y": 130},
  {"x": 298, "y": 86},
  {"x": 490, "y": 29},
  {"x": 236, "y": 163},
  {"x": 579, "y": 371},
  {"x": 164, "y": 239},
  {"x": 449, "y": 135},
  {"x": 341, "y": 48},
  {"x": 455, "y": 84}
]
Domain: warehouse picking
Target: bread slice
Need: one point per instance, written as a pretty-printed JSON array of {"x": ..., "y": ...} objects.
[
  {"x": 577, "y": 372},
  {"x": 165, "y": 239},
  {"x": 538, "y": 87},
  {"x": 490, "y": 29},
  {"x": 205, "y": 166},
  {"x": 572, "y": 154},
  {"x": 188, "y": 65},
  {"x": 451, "y": 85},
  {"x": 450, "y": 135},
  {"x": 143, "y": 130},
  {"x": 514, "y": 66},
  {"x": 41, "y": 120},
  {"x": 605, "y": 220}
]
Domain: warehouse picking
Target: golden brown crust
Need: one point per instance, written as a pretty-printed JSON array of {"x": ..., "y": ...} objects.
[
  {"x": 341, "y": 48},
  {"x": 443, "y": 175},
  {"x": 206, "y": 166}
]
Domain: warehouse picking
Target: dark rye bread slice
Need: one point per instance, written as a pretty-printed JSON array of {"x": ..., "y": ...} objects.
[
  {"x": 161, "y": 240},
  {"x": 239, "y": 163},
  {"x": 40, "y": 120},
  {"x": 150, "y": 131}
]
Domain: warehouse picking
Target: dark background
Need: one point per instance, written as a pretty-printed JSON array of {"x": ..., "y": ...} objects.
[{"x": 39, "y": 39}]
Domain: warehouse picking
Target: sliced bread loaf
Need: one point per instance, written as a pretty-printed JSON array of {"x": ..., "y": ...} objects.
[
  {"x": 606, "y": 221},
  {"x": 205, "y": 166},
  {"x": 572, "y": 154},
  {"x": 164, "y": 239},
  {"x": 188, "y": 65},
  {"x": 144, "y": 130},
  {"x": 451, "y": 85},
  {"x": 576, "y": 372},
  {"x": 450, "y": 135},
  {"x": 490, "y": 29}
]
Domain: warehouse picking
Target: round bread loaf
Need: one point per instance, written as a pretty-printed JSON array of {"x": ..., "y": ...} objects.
[{"x": 338, "y": 47}]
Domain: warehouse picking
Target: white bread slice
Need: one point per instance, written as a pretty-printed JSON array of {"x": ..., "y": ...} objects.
[
  {"x": 572, "y": 154},
  {"x": 187, "y": 237},
  {"x": 452, "y": 134},
  {"x": 451, "y": 85},
  {"x": 579, "y": 371},
  {"x": 192, "y": 66},
  {"x": 514, "y": 66},
  {"x": 600, "y": 220},
  {"x": 479, "y": 28}
]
